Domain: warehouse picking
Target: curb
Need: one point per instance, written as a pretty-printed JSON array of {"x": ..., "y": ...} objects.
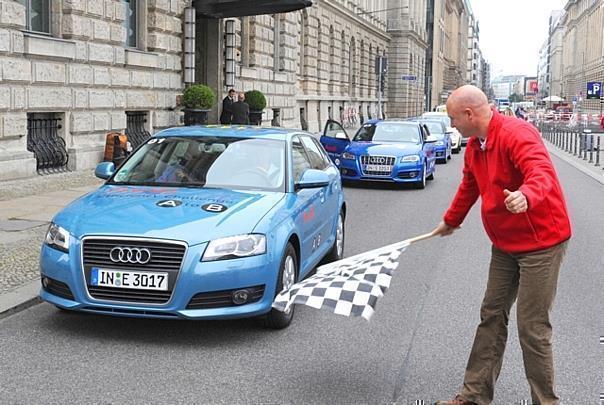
[
  {"x": 565, "y": 157},
  {"x": 19, "y": 299}
]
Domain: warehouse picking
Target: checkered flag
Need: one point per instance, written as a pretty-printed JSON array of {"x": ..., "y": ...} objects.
[{"x": 349, "y": 287}]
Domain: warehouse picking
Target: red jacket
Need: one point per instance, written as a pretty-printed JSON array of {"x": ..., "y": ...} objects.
[{"x": 514, "y": 158}]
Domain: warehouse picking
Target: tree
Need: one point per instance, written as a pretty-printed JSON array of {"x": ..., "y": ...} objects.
[{"x": 515, "y": 98}]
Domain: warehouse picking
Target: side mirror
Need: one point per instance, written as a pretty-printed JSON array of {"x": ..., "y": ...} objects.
[
  {"x": 312, "y": 178},
  {"x": 104, "y": 170},
  {"x": 342, "y": 136},
  {"x": 431, "y": 139}
]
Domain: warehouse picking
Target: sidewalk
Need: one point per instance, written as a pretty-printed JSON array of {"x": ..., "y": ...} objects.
[
  {"x": 589, "y": 169},
  {"x": 26, "y": 208}
]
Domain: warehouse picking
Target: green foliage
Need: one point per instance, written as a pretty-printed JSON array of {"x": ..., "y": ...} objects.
[
  {"x": 199, "y": 96},
  {"x": 516, "y": 98},
  {"x": 255, "y": 99}
]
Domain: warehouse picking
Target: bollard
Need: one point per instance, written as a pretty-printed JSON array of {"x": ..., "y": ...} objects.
[
  {"x": 576, "y": 142},
  {"x": 598, "y": 152},
  {"x": 565, "y": 141},
  {"x": 584, "y": 146},
  {"x": 591, "y": 148}
]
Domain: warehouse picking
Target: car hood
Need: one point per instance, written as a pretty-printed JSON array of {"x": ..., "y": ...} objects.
[
  {"x": 382, "y": 148},
  {"x": 166, "y": 213}
]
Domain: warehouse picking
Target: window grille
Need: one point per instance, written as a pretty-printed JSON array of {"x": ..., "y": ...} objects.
[
  {"x": 44, "y": 141},
  {"x": 135, "y": 127}
]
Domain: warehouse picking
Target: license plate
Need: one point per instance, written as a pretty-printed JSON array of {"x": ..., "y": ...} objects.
[
  {"x": 378, "y": 168},
  {"x": 129, "y": 279}
]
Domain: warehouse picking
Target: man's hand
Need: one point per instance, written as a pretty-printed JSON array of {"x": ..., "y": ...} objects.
[
  {"x": 443, "y": 229},
  {"x": 515, "y": 201}
]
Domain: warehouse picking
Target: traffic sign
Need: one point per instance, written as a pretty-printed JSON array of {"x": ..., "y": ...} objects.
[
  {"x": 409, "y": 78},
  {"x": 594, "y": 90}
]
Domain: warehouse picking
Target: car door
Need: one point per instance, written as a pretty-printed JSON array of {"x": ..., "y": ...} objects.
[
  {"x": 328, "y": 205},
  {"x": 307, "y": 207},
  {"x": 428, "y": 148},
  {"x": 334, "y": 140}
]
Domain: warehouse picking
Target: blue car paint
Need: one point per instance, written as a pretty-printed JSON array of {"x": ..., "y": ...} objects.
[
  {"x": 126, "y": 212},
  {"x": 351, "y": 169}
]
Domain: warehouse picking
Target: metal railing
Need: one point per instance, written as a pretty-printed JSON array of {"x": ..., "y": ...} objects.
[
  {"x": 584, "y": 142},
  {"x": 48, "y": 147}
]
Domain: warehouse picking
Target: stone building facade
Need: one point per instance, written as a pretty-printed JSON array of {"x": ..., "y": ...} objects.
[
  {"x": 582, "y": 49},
  {"x": 72, "y": 71}
]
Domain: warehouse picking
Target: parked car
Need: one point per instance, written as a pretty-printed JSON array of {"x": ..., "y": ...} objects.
[
  {"x": 397, "y": 151},
  {"x": 457, "y": 140},
  {"x": 443, "y": 144},
  {"x": 198, "y": 223}
]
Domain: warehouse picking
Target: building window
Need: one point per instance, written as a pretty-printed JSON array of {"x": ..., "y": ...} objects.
[
  {"x": 37, "y": 15},
  {"x": 45, "y": 141},
  {"x": 135, "y": 127},
  {"x": 130, "y": 22}
]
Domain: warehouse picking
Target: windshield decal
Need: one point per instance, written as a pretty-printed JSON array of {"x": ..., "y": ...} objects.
[
  {"x": 214, "y": 207},
  {"x": 169, "y": 203}
]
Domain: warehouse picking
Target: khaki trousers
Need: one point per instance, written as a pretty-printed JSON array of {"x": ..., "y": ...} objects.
[{"x": 531, "y": 278}]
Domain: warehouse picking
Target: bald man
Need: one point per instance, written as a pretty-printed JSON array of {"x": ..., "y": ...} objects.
[{"x": 524, "y": 214}]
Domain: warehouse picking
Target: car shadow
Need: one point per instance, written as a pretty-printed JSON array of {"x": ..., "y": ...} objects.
[
  {"x": 210, "y": 333},
  {"x": 378, "y": 185}
]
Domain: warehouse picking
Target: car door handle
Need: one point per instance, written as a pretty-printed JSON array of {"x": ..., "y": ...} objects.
[{"x": 322, "y": 196}]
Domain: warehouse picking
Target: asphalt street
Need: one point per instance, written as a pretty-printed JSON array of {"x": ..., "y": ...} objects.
[{"x": 415, "y": 347}]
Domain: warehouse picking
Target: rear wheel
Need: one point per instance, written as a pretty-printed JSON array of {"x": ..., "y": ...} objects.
[{"x": 288, "y": 273}]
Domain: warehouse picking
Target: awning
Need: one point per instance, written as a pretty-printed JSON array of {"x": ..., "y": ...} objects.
[
  {"x": 240, "y": 8},
  {"x": 553, "y": 99}
]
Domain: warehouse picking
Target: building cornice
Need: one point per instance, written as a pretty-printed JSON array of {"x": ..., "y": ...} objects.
[{"x": 354, "y": 19}]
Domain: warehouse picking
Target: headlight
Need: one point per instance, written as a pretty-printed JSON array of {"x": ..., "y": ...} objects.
[
  {"x": 57, "y": 237},
  {"x": 348, "y": 156},
  {"x": 234, "y": 247},
  {"x": 410, "y": 158},
  {"x": 439, "y": 143}
]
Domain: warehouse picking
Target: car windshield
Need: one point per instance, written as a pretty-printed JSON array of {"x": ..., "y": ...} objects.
[
  {"x": 435, "y": 129},
  {"x": 388, "y": 132},
  {"x": 204, "y": 161},
  {"x": 441, "y": 117}
]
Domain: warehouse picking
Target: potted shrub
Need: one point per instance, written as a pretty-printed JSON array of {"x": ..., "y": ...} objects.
[
  {"x": 198, "y": 99},
  {"x": 257, "y": 102}
]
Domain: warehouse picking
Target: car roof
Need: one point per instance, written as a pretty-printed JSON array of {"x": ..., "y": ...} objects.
[
  {"x": 237, "y": 131},
  {"x": 389, "y": 121}
]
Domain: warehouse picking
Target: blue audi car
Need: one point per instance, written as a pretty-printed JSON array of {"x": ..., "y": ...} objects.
[
  {"x": 198, "y": 223},
  {"x": 396, "y": 151}
]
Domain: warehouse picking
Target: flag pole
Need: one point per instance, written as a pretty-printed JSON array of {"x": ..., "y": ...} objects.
[{"x": 421, "y": 237}]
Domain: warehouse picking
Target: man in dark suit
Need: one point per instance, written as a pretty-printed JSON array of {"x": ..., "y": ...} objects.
[
  {"x": 241, "y": 111},
  {"x": 226, "y": 117}
]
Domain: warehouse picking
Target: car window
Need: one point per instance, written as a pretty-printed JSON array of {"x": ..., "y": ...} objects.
[
  {"x": 436, "y": 129},
  {"x": 316, "y": 159},
  {"x": 388, "y": 132},
  {"x": 324, "y": 154},
  {"x": 300, "y": 160},
  {"x": 333, "y": 128},
  {"x": 207, "y": 161}
]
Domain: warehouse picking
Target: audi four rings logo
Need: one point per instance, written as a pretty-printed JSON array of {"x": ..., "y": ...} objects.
[
  {"x": 130, "y": 255},
  {"x": 375, "y": 159}
]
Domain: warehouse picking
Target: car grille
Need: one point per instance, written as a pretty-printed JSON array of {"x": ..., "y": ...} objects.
[
  {"x": 165, "y": 257},
  {"x": 57, "y": 288},
  {"x": 377, "y": 160},
  {"x": 222, "y": 299}
]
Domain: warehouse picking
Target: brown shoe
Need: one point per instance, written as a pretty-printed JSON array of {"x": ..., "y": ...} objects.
[{"x": 458, "y": 400}]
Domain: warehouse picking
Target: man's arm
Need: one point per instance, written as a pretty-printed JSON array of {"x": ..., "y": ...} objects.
[
  {"x": 466, "y": 196},
  {"x": 528, "y": 153}
]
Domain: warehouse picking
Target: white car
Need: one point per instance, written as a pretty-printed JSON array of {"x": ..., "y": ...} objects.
[{"x": 457, "y": 141}]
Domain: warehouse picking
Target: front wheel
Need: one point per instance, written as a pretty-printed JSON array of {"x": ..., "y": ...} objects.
[
  {"x": 337, "y": 250},
  {"x": 288, "y": 273},
  {"x": 422, "y": 183}
]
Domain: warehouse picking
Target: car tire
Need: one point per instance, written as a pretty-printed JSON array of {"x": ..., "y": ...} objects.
[
  {"x": 422, "y": 183},
  {"x": 337, "y": 250},
  {"x": 431, "y": 176},
  {"x": 288, "y": 274}
]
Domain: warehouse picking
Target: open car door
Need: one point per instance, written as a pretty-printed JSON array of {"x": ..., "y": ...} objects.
[{"x": 334, "y": 140}]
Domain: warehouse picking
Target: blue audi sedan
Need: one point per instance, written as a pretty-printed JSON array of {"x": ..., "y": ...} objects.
[
  {"x": 396, "y": 151},
  {"x": 198, "y": 223}
]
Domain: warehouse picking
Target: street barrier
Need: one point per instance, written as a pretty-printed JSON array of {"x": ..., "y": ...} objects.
[{"x": 581, "y": 138}]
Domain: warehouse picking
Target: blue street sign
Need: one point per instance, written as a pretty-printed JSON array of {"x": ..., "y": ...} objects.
[
  {"x": 409, "y": 77},
  {"x": 574, "y": 99},
  {"x": 594, "y": 90}
]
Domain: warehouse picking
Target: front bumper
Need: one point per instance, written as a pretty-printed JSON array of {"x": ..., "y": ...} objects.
[
  {"x": 408, "y": 172},
  {"x": 440, "y": 152},
  {"x": 215, "y": 281}
]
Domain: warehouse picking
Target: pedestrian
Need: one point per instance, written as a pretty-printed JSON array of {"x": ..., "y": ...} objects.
[
  {"x": 602, "y": 121},
  {"x": 508, "y": 111},
  {"x": 241, "y": 111},
  {"x": 524, "y": 214},
  {"x": 226, "y": 116}
]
